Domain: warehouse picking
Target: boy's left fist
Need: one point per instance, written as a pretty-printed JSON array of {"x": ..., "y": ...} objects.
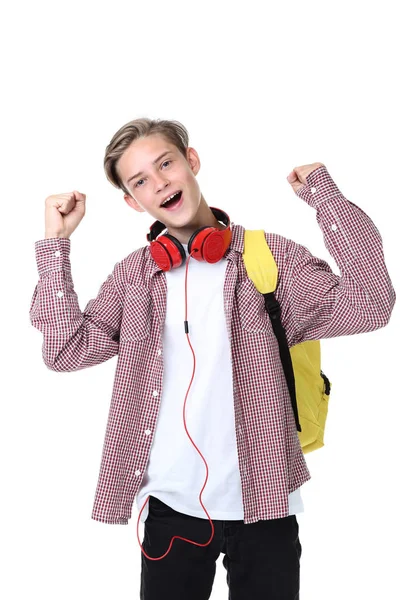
[{"x": 297, "y": 177}]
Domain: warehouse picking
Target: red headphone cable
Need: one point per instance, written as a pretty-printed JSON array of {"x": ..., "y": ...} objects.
[{"x": 184, "y": 420}]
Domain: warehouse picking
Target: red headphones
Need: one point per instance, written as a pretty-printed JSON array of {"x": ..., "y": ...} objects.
[{"x": 209, "y": 243}]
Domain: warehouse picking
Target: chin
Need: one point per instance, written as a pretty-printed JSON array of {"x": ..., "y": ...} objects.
[{"x": 181, "y": 217}]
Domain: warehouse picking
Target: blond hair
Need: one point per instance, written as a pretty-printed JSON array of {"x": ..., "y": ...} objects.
[{"x": 173, "y": 131}]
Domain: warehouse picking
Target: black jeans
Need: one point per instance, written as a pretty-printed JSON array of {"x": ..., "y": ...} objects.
[{"x": 262, "y": 559}]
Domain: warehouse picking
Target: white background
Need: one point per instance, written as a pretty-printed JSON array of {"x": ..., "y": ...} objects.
[{"x": 262, "y": 87}]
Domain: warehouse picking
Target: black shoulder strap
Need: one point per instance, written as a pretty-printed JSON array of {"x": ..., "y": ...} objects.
[{"x": 274, "y": 311}]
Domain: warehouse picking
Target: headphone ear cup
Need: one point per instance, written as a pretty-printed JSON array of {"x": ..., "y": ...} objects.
[
  {"x": 214, "y": 246},
  {"x": 209, "y": 244},
  {"x": 168, "y": 252}
]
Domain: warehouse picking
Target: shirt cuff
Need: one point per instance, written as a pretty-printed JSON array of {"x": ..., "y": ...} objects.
[
  {"x": 318, "y": 188},
  {"x": 52, "y": 254}
]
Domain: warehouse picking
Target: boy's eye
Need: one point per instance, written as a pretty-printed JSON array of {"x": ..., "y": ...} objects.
[{"x": 166, "y": 161}]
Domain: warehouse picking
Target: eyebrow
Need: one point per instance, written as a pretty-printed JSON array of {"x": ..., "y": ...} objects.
[{"x": 154, "y": 162}]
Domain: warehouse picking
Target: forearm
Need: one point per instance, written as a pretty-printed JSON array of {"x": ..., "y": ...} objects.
[{"x": 72, "y": 339}]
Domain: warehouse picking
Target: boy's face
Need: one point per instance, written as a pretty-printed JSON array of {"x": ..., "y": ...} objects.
[{"x": 157, "y": 181}]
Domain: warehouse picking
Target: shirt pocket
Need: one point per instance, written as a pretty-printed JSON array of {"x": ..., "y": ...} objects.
[
  {"x": 136, "y": 318},
  {"x": 253, "y": 316}
]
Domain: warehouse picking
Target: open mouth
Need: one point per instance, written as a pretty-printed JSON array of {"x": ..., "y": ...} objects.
[{"x": 173, "y": 202}]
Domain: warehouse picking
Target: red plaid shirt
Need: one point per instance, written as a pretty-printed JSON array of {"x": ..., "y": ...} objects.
[{"x": 126, "y": 319}]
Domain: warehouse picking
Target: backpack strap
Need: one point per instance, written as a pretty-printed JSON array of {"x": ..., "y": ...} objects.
[
  {"x": 263, "y": 271},
  {"x": 274, "y": 311},
  {"x": 259, "y": 261}
]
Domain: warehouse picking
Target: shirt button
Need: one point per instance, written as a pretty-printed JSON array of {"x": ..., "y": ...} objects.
[
  {"x": 58, "y": 253},
  {"x": 137, "y": 473},
  {"x": 334, "y": 227},
  {"x": 147, "y": 432},
  {"x": 60, "y": 294},
  {"x": 155, "y": 393},
  {"x": 313, "y": 190},
  {"x": 158, "y": 352}
]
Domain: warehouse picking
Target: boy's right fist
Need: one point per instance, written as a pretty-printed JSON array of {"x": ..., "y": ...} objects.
[{"x": 63, "y": 213}]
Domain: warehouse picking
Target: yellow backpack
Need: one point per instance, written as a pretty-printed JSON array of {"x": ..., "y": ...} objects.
[{"x": 302, "y": 362}]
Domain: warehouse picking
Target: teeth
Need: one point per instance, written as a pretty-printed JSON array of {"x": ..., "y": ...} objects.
[{"x": 170, "y": 198}]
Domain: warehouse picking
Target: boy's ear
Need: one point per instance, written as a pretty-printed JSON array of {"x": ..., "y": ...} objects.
[
  {"x": 132, "y": 202},
  {"x": 193, "y": 159}
]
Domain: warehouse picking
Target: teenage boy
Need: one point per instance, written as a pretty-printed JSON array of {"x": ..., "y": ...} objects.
[{"x": 191, "y": 280}]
